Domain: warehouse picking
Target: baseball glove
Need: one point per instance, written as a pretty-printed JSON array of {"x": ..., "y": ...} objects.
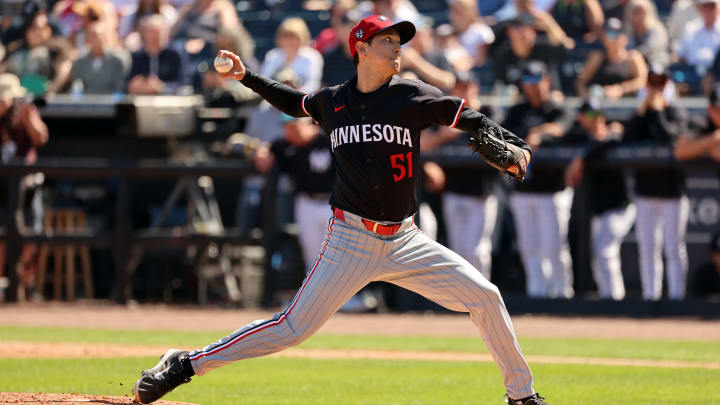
[{"x": 490, "y": 144}]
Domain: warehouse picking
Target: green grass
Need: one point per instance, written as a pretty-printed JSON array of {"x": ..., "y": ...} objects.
[
  {"x": 302, "y": 381},
  {"x": 634, "y": 349}
]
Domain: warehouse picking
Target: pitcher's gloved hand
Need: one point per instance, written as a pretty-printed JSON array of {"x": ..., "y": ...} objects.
[{"x": 509, "y": 159}]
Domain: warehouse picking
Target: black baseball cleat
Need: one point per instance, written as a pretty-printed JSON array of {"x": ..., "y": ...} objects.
[
  {"x": 173, "y": 369},
  {"x": 534, "y": 399}
]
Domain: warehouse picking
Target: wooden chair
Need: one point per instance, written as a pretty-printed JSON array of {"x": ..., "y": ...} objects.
[{"x": 65, "y": 221}]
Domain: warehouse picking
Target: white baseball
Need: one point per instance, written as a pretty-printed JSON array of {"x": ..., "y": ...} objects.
[{"x": 223, "y": 64}]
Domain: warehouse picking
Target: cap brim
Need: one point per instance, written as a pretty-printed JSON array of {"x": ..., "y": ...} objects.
[{"x": 406, "y": 29}]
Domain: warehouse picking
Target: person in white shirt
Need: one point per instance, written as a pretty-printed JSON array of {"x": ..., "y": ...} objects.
[
  {"x": 682, "y": 12},
  {"x": 701, "y": 38},
  {"x": 474, "y": 35},
  {"x": 292, "y": 40}
]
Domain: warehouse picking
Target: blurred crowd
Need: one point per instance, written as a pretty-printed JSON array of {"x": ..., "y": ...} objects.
[
  {"x": 163, "y": 47},
  {"x": 541, "y": 51}
]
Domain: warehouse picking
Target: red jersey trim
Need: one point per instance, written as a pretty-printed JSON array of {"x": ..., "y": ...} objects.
[
  {"x": 302, "y": 104},
  {"x": 457, "y": 114},
  {"x": 269, "y": 323}
]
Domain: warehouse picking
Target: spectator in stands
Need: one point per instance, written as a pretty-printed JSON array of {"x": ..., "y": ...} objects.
[
  {"x": 524, "y": 44},
  {"x": 582, "y": 20},
  {"x": 428, "y": 63},
  {"x": 609, "y": 204},
  {"x": 617, "y": 69},
  {"x": 337, "y": 61},
  {"x": 469, "y": 206},
  {"x": 662, "y": 206},
  {"x": 89, "y": 12},
  {"x": 332, "y": 36},
  {"x": 73, "y": 16},
  {"x": 100, "y": 71},
  {"x": 156, "y": 68},
  {"x": 541, "y": 204},
  {"x": 707, "y": 277},
  {"x": 706, "y": 140},
  {"x": 43, "y": 62},
  {"x": 454, "y": 52},
  {"x": 130, "y": 20},
  {"x": 683, "y": 11},
  {"x": 231, "y": 93},
  {"x": 396, "y": 10},
  {"x": 646, "y": 33},
  {"x": 291, "y": 40},
  {"x": 701, "y": 38},
  {"x": 21, "y": 127},
  {"x": 545, "y": 23},
  {"x": 199, "y": 22},
  {"x": 471, "y": 30},
  {"x": 22, "y": 131},
  {"x": 13, "y": 30}
]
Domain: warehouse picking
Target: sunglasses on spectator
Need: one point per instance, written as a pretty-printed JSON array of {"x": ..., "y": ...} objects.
[
  {"x": 612, "y": 34},
  {"x": 531, "y": 79},
  {"x": 592, "y": 114}
]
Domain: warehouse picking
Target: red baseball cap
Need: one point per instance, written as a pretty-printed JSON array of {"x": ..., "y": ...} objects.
[{"x": 369, "y": 26}]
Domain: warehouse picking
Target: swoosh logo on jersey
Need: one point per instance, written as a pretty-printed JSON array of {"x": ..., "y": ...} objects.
[{"x": 339, "y": 108}]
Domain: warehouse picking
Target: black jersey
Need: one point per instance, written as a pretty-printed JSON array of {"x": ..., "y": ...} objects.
[
  {"x": 375, "y": 137},
  {"x": 310, "y": 166},
  {"x": 519, "y": 119},
  {"x": 658, "y": 128}
]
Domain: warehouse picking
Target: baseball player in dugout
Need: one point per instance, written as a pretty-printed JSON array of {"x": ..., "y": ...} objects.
[
  {"x": 541, "y": 205},
  {"x": 374, "y": 122}
]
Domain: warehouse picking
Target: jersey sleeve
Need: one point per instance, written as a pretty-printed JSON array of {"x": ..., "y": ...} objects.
[
  {"x": 439, "y": 108},
  {"x": 279, "y": 95},
  {"x": 436, "y": 107}
]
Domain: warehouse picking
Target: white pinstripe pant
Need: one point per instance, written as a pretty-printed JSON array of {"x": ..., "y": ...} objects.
[
  {"x": 609, "y": 230},
  {"x": 350, "y": 258},
  {"x": 541, "y": 221},
  {"x": 470, "y": 222},
  {"x": 662, "y": 220}
]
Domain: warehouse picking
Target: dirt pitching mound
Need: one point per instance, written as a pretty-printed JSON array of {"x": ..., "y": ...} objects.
[{"x": 80, "y": 399}]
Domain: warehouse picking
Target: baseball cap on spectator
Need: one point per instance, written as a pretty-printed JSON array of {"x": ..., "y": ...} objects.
[
  {"x": 533, "y": 72},
  {"x": 613, "y": 27},
  {"x": 10, "y": 86},
  {"x": 591, "y": 109},
  {"x": 522, "y": 19},
  {"x": 375, "y": 24},
  {"x": 658, "y": 75}
]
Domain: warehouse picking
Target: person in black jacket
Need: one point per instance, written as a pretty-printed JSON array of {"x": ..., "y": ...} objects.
[
  {"x": 156, "y": 68},
  {"x": 609, "y": 204},
  {"x": 660, "y": 195},
  {"x": 541, "y": 205}
]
